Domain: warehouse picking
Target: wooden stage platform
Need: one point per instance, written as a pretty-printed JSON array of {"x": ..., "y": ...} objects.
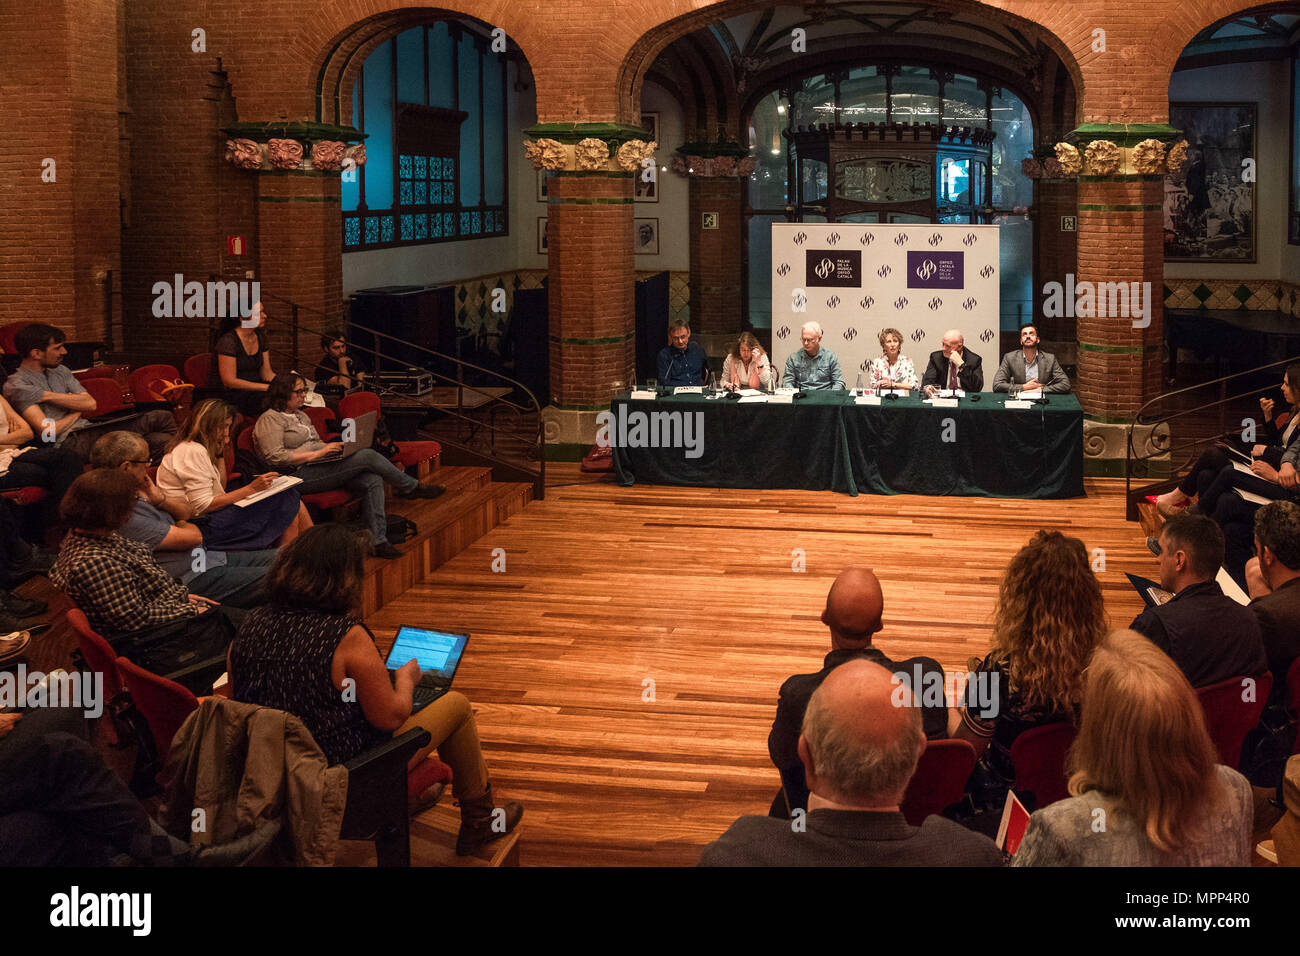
[{"x": 606, "y": 589}]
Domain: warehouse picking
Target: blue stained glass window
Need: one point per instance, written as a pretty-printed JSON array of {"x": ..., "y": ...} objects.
[
  {"x": 351, "y": 231},
  {"x": 406, "y": 193},
  {"x": 404, "y": 166},
  {"x": 372, "y": 229},
  {"x": 386, "y": 225},
  {"x": 464, "y": 224},
  {"x": 448, "y": 224},
  {"x": 435, "y": 226},
  {"x": 421, "y": 226},
  {"x": 435, "y": 167},
  {"x": 407, "y": 231},
  {"x": 449, "y": 193},
  {"x": 477, "y": 221},
  {"x": 420, "y": 198},
  {"x": 421, "y": 164},
  {"x": 448, "y": 167}
]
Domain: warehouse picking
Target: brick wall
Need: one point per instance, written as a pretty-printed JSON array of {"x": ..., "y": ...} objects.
[{"x": 715, "y": 254}]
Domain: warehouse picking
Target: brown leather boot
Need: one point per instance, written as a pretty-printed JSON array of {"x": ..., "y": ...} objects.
[{"x": 481, "y": 821}]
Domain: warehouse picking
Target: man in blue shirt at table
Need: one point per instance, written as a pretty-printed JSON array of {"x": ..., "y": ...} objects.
[
  {"x": 813, "y": 367},
  {"x": 682, "y": 362}
]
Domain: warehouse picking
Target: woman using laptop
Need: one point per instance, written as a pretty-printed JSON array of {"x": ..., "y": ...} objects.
[
  {"x": 304, "y": 650},
  {"x": 286, "y": 440},
  {"x": 194, "y": 468}
]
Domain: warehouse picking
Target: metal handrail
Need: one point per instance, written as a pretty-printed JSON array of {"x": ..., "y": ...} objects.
[
  {"x": 1144, "y": 418},
  {"x": 531, "y": 405}
]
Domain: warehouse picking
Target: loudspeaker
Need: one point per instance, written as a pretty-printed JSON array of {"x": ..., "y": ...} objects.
[{"x": 422, "y": 315}]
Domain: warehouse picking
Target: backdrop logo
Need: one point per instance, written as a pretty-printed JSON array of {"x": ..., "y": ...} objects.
[
  {"x": 784, "y": 332},
  {"x": 867, "y": 302},
  {"x": 935, "y": 303},
  {"x": 867, "y": 238},
  {"x": 884, "y": 271},
  {"x": 799, "y": 300},
  {"x": 783, "y": 269},
  {"x": 832, "y": 302},
  {"x": 918, "y": 335},
  {"x": 936, "y": 270},
  {"x": 800, "y": 238},
  {"x": 900, "y": 239},
  {"x": 935, "y": 239},
  {"x": 986, "y": 271},
  {"x": 900, "y": 302},
  {"x": 970, "y": 239},
  {"x": 986, "y": 335},
  {"x": 866, "y": 364},
  {"x": 833, "y": 238},
  {"x": 850, "y": 334},
  {"x": 969, "y": 304},
  {"x": 830, "y": 269}
]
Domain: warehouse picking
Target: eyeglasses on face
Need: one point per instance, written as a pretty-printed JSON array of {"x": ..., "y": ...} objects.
[{"x": 299, "y": 391}]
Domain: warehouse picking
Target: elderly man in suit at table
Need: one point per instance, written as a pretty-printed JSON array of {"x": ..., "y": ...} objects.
[
  {"x": 1031, "y": 368},
  {"x": 861, "y": 741},
  {"x": 954, "y": 366}
]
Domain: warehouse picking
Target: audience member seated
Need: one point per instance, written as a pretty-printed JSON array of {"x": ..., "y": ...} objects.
[
  {"x": 194, "y": 470},
  {"x": 681, "y": 361},
  {"x": 1271, "y": 442},
  {"x": 285, "y": 438},
  {"x": 1274, "y": 579},
  {"x": 893, "y": 370},
  {"x": 1144, "y": 765},
  {"x": 813, "y": 367},
  {"x": 1050, "y": 616},
  {"x": 336, "y": 370},
  {"x": 746, "y": 365},
  {"x": 60, "y": 804},
  {"x": 46, "y": 393},
  {"x": 953, "y": 367},
  {"x": 854, "y": 607},
  {"x": 859, "y": 751},
  {"x": 158, "y": 521},
  {"x": 297, "y": 653},
  {"x": 1029, "y": 368},
  {"x": 1209, "y": 635},
  {"x": 18, "y": 560},
  {"x": 243, "y": 362},
  {"x": 116, "y": 582},
  {"x": 51, "y": 467}
]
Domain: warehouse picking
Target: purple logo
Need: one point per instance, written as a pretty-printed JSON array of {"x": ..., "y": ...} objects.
[
  {"x": 935, "y": 303},
  {"x": 830, "y": 269},
  {"x": 969, "y": 304},
  {"x": 970, "y": 239},
  {"x": 833, "y": 238},
  {"x": 867, "y": 302},
  {"x": 900, "y": 302},
  {"x": 832, "y": 302},
  {"x": 850, "y": 334},
  {"x": 986, "y": 335},
  {"x": 935, "y": 270},
  {"x": 986, "y": 271},
  {"x": 783, "y": 269},
  {"x": 900, "y": 239},
  {"x": 884, "y": 271},
  {"x": 935, "y": 239},
  {"x": 918, "y": 335},
  {"x": 785, "y": 331},
  {"x": 867, "y": 238},
  {"x": 800, "y": 238}
]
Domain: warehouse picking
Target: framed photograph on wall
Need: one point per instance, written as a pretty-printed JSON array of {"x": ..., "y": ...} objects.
[
  {"x": 541, "y": 236},
  {"x": 1209, "y": 212},
  {"x": 542, "y": 176},
  {"x": 646, "y": 237},
  {"x": 649, "y": 192}
]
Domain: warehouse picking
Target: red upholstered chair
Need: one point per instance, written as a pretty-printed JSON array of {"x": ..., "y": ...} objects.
[
  {"x": 1038, "y": 756},
  {"x": 322, "y": 419},
  {"x": 409, "y": 452},
  {"x": 198, "y": 369},
  {"x": 940, "y": 779},
  {"x": 429, "y": 772},
  {"x": 107, "y": 396},
  {"x": 141, "y": 377},
  {"x": 164, "y": 703},
  {"x": 7, "y": 333},
  {"x": 29, "y": 495},
  {"x": 100, "y": 658},
  {"x": 1229, "y": 718},
  {"x": 97, "y": 371},
  {"x": 325, "y": 500}
]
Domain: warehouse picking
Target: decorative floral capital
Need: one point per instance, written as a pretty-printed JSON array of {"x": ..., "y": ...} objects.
[
  {"x": 1069, "y": 159},
  {"x": 591, "y": 154},
  {"x": 1031, "y": 167},
  {"x": 1102, "y": 157},
  {"x": 1149, "y": 157},
  {"x": 327, "y": 155},
  {"x": 356, "y": 153},
  {"x": 1177, "y": 157},
  {"x": 716, "y": 166},
  {"x": 746, "y": 166},
  {"x": 1052, "y": 168},
  {"x": 284, "y": 153},
  {"x": 244, "y": 153},
  {"x": 545, "y": 153},
  {"x": 633, "y": 153}
]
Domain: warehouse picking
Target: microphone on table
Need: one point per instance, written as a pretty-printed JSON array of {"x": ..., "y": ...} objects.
[{"x": 798, "y": 389}]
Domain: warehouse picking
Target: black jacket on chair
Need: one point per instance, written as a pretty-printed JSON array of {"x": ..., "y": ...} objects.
[{"x": 970, "y": 377}]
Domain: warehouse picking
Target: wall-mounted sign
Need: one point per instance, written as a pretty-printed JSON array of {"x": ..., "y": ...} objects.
[
  {"x": 237, "y": 245},
  {"x": 1069, "y": 223},
  {"x": 710, "y": 220}
]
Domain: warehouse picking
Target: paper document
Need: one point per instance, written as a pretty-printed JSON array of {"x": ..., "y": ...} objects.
[
  {"x": 277, "y": 486},
  {"x": 1035, "y": 393},
  {"x": 867, "y": 400},
  {"x": 943, "y": 402},
  {"x": 643, "y": 395},
  {"x": 752, "y": 399},
  {"x": 689, "y": 390},
  {"x": 1230, "y": 587},
  {"x": 749, "y": 392},
  {"x": 1253, "y": 498},
  {"x": 1244, "y": 469},
  {"x": 1016, "y": 403}
]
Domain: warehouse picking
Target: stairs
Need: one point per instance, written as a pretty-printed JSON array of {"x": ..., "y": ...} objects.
[{"x": 473, "y": 505}]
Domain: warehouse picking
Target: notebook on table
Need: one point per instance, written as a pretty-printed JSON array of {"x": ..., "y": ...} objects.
[
  {"x": 277, "y": 485},
  {"x": 364, "y": 437},
  {"x": 438, "y": 654}
]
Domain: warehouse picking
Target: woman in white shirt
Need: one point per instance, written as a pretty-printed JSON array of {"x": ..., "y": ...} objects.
[
  {"x": 893, "y": 369},
  {"x": 194, "y": 469},
  {"x": 746, "y": 366}
]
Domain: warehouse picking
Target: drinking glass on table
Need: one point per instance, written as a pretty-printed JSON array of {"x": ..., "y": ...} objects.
[{"x": 652, "y": 385}]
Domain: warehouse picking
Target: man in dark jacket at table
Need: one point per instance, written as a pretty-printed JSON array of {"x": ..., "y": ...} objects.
[
  {"x": 954, "y": 366},
  {"x": 682, "y": 362},
  {"x": 1030, "y": 368}
]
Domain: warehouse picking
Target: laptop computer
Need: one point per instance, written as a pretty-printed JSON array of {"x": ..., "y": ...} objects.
[
  {"x": 363, "y": 437},
  {"x": 438, "y": 653}
]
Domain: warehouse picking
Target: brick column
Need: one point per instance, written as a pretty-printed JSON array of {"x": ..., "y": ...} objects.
[{"x": 715, "y": 254}]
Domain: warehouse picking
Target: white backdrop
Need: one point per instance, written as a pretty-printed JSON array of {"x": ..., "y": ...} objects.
[{"x": 858, "y": 278}]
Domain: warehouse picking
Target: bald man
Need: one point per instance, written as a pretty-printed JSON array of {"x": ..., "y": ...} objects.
[
  {"x": 954, "y": 366},
  {"x": 860, "y": 743},
  {"x": 854, "y": 608}
]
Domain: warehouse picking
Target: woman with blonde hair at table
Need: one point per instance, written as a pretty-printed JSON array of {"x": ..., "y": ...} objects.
[
  {"x": 893, "y": 369},
  {"x": 746, "y": 365}
]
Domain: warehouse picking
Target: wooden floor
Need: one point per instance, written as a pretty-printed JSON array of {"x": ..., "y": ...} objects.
[{"x": 624, "y": 667}]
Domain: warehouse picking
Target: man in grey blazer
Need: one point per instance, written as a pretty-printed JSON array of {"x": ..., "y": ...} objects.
[
  {"x": 861, "y": 741},
  {"x": 1030, "y": 367}
]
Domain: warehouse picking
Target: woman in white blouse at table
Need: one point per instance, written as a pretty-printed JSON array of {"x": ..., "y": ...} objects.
[
  {"x": 893, "y": 369},
  {"x": 194, "y": 469},
  {"x": 746, "y": 366}
]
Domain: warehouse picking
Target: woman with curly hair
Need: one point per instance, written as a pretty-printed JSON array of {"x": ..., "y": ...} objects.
[
  {"x": 1050, "y": 617},
  {"x": 1144, "y": 758}
]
